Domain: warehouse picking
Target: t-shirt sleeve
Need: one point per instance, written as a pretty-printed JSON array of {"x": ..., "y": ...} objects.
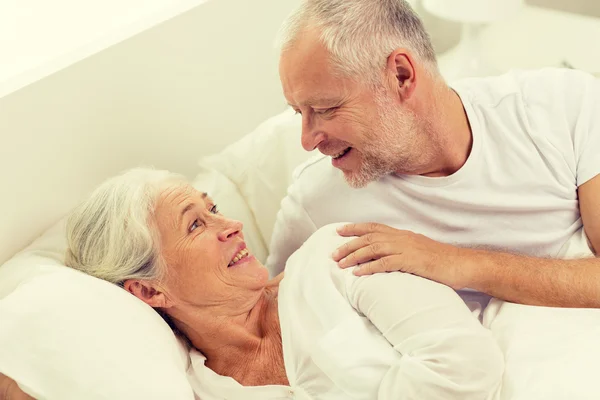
[
  {"x": 446, "y": 353},
  {"x": 293, "y": 227},
  {"x": 565, "y": 103},
  {"x": 586, "y": 128}
]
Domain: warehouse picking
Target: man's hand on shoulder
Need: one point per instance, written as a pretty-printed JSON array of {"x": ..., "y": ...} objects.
[
  {"x": 380, "y": 248},
  {"x": 515, "y": 278}
]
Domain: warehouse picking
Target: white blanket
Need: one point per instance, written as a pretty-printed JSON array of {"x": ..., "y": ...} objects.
[
  {"x": 386, "y": 336},
  {"x": 550, "y": 353}
]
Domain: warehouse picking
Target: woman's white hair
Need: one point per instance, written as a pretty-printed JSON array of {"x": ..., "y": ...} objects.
[
  {"x": 361, "y": 34},
  {"x": 112, "y": 235}
]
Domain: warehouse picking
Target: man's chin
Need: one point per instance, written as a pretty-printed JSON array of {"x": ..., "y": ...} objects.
[
  {"x": 363, "y": 176},
  {"x": 356, "y": 180}
]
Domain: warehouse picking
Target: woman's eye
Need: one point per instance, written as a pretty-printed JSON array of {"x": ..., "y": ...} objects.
[
  {"x": 214, "y": 209},
  {"x": 195, "y": 225}
]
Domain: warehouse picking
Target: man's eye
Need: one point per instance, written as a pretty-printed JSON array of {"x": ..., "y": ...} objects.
[
  {"x": 298, "y": 112},
  {"x": 196, "y": 224},
  {"x": 325, "y": 111},
  {"x": 214, "y": 209}
]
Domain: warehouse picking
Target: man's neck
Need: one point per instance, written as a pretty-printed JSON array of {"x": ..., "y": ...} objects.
[{"x": 453, "y": 134}]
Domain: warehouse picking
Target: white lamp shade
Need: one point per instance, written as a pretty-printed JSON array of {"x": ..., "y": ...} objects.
[{"x": 472, "y": 11}]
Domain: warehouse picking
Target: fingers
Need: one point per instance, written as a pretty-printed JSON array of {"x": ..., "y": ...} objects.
[
  {"x": 377, "y": 248},
  {"x": 385, "y": 264},
  {"x": 353, "y": 245},
  {"x": 368, "y": 253},
  {"x": 363, "y": 229}
]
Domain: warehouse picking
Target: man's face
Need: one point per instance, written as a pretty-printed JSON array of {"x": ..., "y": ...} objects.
[{"x": 367, "y": 132}]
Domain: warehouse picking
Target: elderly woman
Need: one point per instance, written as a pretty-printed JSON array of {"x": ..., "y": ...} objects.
[{"x": 318, "y": 333}]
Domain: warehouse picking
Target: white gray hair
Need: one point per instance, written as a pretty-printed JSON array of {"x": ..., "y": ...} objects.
[
  {"x": 361, "y": 34},
  {"x": 112, "y": 235}
]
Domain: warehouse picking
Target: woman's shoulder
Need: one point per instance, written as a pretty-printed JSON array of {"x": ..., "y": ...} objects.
[
  {"x": 315, "y": 254},
  {"x": 311, "y": 270}
]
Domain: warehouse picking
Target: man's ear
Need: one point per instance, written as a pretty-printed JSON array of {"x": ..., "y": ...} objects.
[
  {"x": 401, "y": 71},
  {"x": 147, "y": 292}
]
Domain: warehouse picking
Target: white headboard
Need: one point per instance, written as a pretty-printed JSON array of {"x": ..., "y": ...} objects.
[{"x": 165, "y": 97}]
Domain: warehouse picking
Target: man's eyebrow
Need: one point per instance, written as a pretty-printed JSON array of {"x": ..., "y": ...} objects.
[{"x": 311, "y": 101}]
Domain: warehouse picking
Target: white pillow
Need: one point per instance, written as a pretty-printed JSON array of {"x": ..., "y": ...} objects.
[
  {"x": 261, "y": 164},
  {"x": 43, "y": 256},
  {"x": 67, "y": 335}
]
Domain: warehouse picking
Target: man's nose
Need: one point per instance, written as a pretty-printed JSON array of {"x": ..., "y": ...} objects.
[{"x": 311, "y": 137}]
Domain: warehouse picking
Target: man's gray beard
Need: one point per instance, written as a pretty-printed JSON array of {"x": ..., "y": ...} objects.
[
  {"x": 387, "y": 156},
  {"x": 372, "y": 169}
]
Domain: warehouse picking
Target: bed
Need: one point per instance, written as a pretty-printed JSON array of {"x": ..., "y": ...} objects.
[{"x": 65, "y": 335}]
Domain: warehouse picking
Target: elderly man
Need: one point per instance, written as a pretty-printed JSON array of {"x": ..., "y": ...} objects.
[{"x": 477, "y": 185}]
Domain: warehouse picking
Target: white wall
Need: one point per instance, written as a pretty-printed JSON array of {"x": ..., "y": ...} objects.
[
  {"x": 446, "y": 34},
  {"x": 183, "y": 89},
  {"x": 40, "y": 37},
  {"x": 585, "y": 7}
]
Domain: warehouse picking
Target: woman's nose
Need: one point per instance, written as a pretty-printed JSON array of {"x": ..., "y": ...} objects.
[{"x": 231, "y": 228}]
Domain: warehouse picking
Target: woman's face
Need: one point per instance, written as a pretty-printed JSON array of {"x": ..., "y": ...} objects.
[{"x": 206, "y": 258}]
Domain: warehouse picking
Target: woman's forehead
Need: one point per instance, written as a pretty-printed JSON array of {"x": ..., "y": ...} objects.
[{"x": 174, "y": 196}]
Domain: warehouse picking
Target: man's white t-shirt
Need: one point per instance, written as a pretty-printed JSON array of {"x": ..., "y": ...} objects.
[{"x": 536, "y": 139}]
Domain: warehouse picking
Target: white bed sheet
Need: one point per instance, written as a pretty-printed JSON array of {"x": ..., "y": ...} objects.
[{"x": 550, "y": 353}]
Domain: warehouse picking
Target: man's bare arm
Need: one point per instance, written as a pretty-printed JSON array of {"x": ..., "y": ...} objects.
[
  {"x": 9, "y": 390},
  {"x": 519, "y": 279},
  {"x": 563, "y": 283}
]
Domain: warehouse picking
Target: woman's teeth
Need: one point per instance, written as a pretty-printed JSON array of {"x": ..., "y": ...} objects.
[
  {"x": 239, "y": 256},
  {"x": 341, "y": 153}
]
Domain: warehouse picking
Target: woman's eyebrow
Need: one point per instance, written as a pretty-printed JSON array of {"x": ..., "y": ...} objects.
[
  {"x": 190, "y": 206},
  {"x": 185, "y": 210}
]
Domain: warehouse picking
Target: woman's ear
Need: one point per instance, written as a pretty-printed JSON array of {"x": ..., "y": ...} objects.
[{"x": 147, "y": 292}]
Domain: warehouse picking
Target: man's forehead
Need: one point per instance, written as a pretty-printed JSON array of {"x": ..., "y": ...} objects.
[
  {"x": 324, "y": 92},
  {"x": 307, "y": 42},
  {"x": 311, "y": 84},
  {"x": 307, "y": 58},
  {"x": 310, "y": 80}
]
